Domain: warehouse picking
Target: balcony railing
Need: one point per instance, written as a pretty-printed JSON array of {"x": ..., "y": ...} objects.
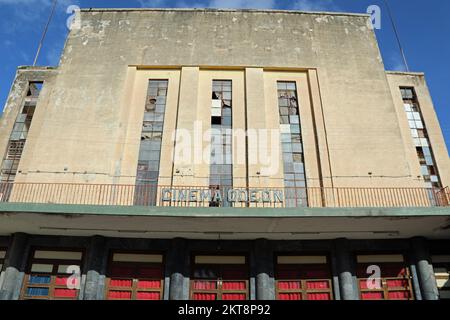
[{"x": 183, "y": 196}]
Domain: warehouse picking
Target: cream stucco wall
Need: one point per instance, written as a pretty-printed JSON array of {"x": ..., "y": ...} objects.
[{"x": 88, "y": 121}]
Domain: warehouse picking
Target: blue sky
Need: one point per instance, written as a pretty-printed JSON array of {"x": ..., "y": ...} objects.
[{"x": 424, "y": 28}]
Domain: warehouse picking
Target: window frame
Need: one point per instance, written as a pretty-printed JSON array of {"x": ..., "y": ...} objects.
[
  {"x": 295, "y": 189},
  {"x": 445, "y": 265},
  {"x": 385, "y": 290},
  {"x": 219, "y": 291},
  {"x": 53, "y": 275},
  {"x": 134, "y": 289},
  {"x": 219, "y": 166},
  {"x": 2, "y": 260},
  {"x": 16, "y": 145},
  {"x": 303, "y": 290},
  {"x": 421, "y": 142},
  {"x": 148, "y": 168}
]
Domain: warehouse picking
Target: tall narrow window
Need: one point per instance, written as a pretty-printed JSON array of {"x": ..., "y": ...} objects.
[
  {"x": 18, "y": 136},
  {"x": 291, "y": 145},
  {"x": 221, "y": 167},
  {"x": 48, "y": 274},
  {"x": 151, "y": 140},
  {"x": 421, "y": 140}
]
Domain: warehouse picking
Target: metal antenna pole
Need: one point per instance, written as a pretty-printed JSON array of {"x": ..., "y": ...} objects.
[
  {"x": 397, "y": 35},
  {"x": 45, "y": 32}
]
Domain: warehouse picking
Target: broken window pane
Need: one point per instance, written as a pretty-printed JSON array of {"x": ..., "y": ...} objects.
[
  {"x": 298, "y": 157},
  {"x": 283, "y": 102},
  {"x": 34, "y": 88},
  {"x": 151, "y": 139},
  {"x": 19, "y": 133},
  {"x": 291, "y": 140},
  {"x": 420, "y": 136},
  {"x": 284, "y": 111},
  {"x": 221, "y": 174},
  {"x": 284, "y": 119}
]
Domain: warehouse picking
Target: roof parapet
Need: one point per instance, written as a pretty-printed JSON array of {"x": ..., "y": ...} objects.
[
  {"x": 226, "y": 10},
  {"x": 406, "y": 73}
]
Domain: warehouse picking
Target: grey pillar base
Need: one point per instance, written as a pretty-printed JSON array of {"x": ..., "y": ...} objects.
[
  {"x": 264, "y": 271},
  {"x": 94, "y": 285},
  {"x": 14, "y": 267},
  {"x": 348, "y": 287},
  {"x": 178, "y": 269},
  {"x": 422, "y": 260}
]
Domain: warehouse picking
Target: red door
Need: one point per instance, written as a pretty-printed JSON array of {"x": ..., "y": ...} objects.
[
  {"x": 394, "y": 282},
  {"x": 303, "y": 281},
  {"x": 219, "y": 282}
]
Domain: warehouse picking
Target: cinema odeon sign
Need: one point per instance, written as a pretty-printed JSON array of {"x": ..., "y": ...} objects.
[{"x": 229, "y": 195}]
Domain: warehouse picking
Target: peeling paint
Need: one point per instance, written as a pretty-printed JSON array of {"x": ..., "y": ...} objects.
[{"x": 321, "y": 19}]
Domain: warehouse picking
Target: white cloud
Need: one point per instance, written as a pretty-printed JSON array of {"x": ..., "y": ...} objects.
[
  {"x": 22, "y": 1},
  {"x": 53, "y": 55},
  {"x": 230, "y": 4},
  {"x": 395, "y": 62},
  {"x": 25, "y": 57},
  {"x": 315, "y": 5},
  {"x": 248, "y": 4},
  {"x": 43, "y": 4},
  {"x": 27, "y": 11},
  {"x": 152, "y": 3},
  {"x": 307, "y": 5}
]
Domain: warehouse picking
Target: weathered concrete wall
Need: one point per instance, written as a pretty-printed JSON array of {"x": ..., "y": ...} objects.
[
  {"x": 16, "y": 100},
  {"x": 356, "y": 101},
  {"x": 85, "y": 119}
]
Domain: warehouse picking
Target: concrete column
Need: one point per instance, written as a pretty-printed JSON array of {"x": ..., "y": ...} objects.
[
  {"x": 15, "y": 264},
  {"x": 177, "y": 262},
  {"x": 421, "y": 258},
  {"x": 415, "y": 281},
  {"x": 345, "y": 270},
  {"x": 96, "y": 260},
  {"x": 264, "y": 270},
  {"x": 335, "y": 273}
]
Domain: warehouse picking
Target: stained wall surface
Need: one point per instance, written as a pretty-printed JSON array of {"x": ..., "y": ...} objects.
[{"x": 90, "y": 114}]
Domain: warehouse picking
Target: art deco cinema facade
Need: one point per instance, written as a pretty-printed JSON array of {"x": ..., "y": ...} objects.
[{"x": 222, "y": 155}]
